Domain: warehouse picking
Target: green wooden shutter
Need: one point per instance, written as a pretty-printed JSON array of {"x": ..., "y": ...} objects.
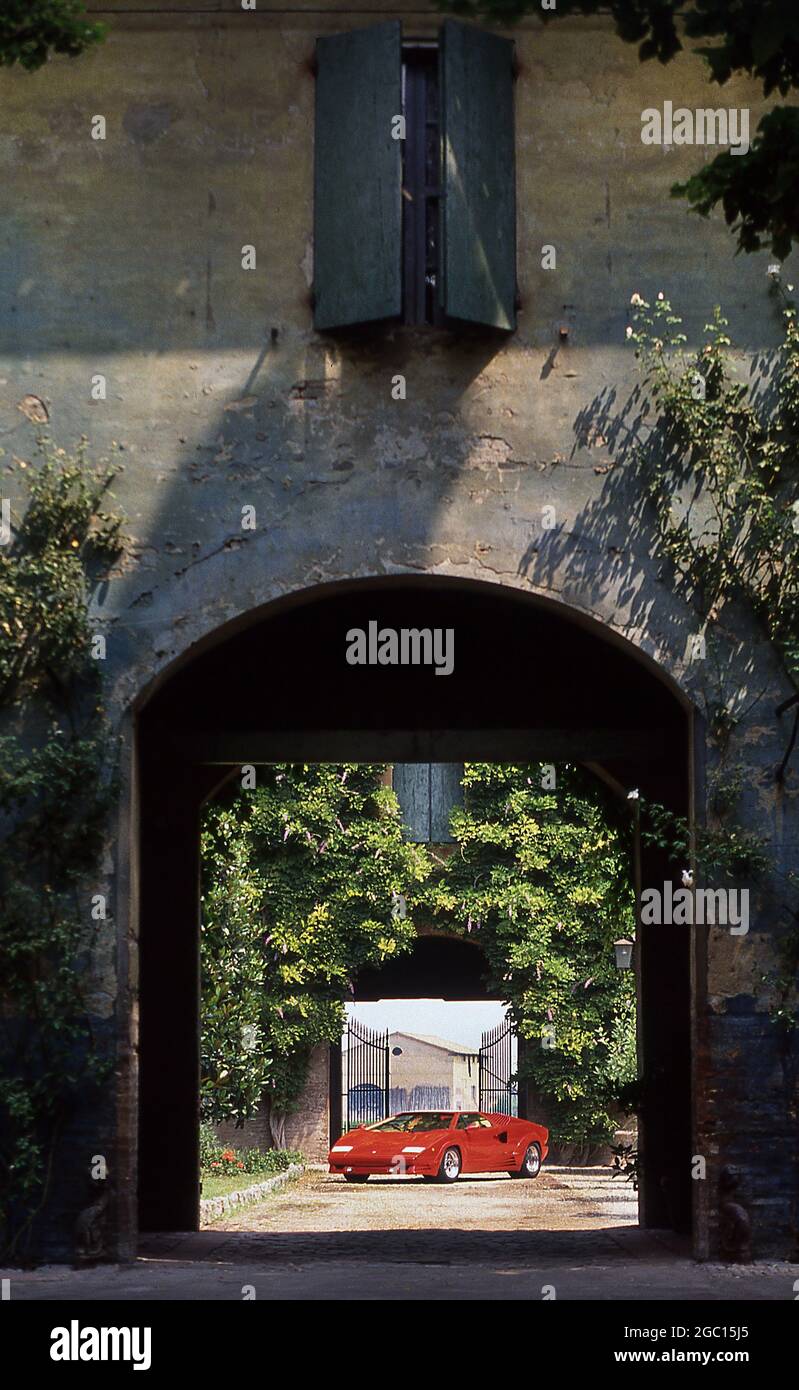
[
  {"x": 358, "y": 177},
  {"x": 427, "y": 794},
  {"x": 478, "y": 221},
  {"x": 446, "y": 792},
  {"x": 411, "y": 782}
]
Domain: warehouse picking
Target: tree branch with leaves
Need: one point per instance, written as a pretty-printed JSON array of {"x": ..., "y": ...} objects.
[
  {"x": 32, "y": 30},
  {"x": 759, "y": 39}
]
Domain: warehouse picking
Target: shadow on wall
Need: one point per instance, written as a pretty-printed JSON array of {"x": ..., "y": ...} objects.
[{"x": 219, "y": 395}]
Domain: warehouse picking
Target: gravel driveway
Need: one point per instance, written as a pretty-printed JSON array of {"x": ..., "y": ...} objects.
[{"x": 323, "y": 1217}]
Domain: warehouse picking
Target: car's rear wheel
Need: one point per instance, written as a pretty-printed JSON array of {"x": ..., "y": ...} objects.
[
  {"x": 449, "y": 1169},
  {"x": 356, "y": 1177},
  {"x": 530, "y": 1165}
]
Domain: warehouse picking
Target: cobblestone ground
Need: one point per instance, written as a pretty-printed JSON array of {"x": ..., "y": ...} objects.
[{"x": 573, "y": 1230}]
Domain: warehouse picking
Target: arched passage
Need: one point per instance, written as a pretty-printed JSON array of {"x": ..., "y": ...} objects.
[
  {"x": 531, "y": 679},
  {"x": 438, "y": 967}
]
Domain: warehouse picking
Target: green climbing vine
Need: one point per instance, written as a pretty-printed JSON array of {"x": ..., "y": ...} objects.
[
  {"x": 302, "y": 884},
  {"x": 55, "y": 797},
  {"x": 733, "y": 851},
  {"x": 541, "y": 877},
  {"x": 722, "y": 471},
  {"x": 721, "y": 466},
  {"x": 306, "y": 878}
]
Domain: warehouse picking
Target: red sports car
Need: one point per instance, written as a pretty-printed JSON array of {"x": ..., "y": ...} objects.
[{"x": 439, "y": 1145}]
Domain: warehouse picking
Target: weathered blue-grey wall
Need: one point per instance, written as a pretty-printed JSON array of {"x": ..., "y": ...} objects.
[{"x": 122, "y": 257}]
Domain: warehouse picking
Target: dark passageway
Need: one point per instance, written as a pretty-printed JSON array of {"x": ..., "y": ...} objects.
[{"x": 530, "y": 681}]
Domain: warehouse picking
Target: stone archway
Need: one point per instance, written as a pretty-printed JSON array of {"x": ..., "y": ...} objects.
[
  {"x": 531, "y": 679},
  {"x": 441, "y": 966}
]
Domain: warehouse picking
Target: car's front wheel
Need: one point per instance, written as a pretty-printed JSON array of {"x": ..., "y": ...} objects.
[
  {"x": 449, "y": 1169},
  {"x": 530, "y": 1165},
  {"x": 356, "y": 1177}
]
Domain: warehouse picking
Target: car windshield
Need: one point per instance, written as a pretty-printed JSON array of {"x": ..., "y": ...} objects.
[{"x": 415, "y": 1121}]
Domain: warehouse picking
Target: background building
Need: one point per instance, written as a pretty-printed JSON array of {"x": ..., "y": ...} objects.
[{"x": 428, "y": 1073}]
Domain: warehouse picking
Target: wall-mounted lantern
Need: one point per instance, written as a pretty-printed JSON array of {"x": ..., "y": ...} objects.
[{"x": 624, "y": 953}]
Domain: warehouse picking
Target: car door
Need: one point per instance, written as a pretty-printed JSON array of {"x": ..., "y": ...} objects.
[
  {"x": 479, "y": 1143},
  {"x": 498, "y": 1146},
  {"x": 494, "y": 1144}
]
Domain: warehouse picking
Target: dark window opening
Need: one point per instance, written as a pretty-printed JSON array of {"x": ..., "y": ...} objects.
[{"x": 421, "y": 184}]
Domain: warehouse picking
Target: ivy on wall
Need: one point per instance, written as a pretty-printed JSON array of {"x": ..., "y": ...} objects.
[
  {"x": 723, "y": 472},
  {"x": 721, "y": 465},
  {"x": 542, "y": 879},
  {"x": 301, "y": 879},
  {"x": 56, "y": 796}
]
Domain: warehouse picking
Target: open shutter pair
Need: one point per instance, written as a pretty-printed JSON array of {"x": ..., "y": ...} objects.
[
  {"x": 358, "y": 178},
  {"x": 428, "y": 793}
]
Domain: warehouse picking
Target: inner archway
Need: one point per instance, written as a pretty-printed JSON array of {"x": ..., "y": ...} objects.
[
  {"x": 439, "y": 967},
  {"x": 531, "y": 679}
]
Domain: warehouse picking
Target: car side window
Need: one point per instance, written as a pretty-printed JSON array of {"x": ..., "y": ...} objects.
[{"x": 466, "y": 1121}]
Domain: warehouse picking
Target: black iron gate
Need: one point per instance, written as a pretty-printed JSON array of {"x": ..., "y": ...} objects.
[
  {"x": 366, "y": 1075},
  {"x": 499, "y": 1094}
]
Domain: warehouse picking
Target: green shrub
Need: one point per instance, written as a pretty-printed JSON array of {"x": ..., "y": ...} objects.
[
  {"x": 219, "y": 1159},
  {"x": 57, "y": 794}
]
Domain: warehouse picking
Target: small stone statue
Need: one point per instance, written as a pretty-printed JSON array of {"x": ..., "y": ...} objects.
[
  {"x": 90, "y": 1230},
  {"x": 735, "y": 1227}
]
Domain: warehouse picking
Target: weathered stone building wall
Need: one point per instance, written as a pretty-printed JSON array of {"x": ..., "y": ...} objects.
[
  {"x": 307, "y": 1128},
  {"x": 123, "y": 257}
]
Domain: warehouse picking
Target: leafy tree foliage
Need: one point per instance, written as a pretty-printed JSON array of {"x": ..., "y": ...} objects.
[
  {"x": 721, "y": 470},
  {"x": 760, "y": 38},
  {"x": 30, "y": 30},
  {"x": 55, "y": 799},
  {"x": 542, "y": 880},
  {"x": 301, "y": 885}
]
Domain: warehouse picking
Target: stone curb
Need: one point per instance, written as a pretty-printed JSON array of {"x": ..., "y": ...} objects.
[{"x": 214, "y": 1207}]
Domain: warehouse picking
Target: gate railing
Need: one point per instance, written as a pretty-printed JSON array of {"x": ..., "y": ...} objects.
[
  {"x": 366, "y": 1075},
  {"x": 498, "y": 1093}
]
